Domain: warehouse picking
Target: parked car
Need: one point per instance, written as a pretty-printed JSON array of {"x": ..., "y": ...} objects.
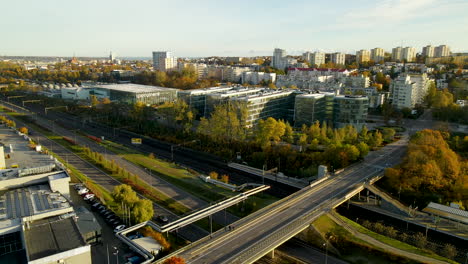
[
  {"x": 92, "y": 201},
  {"x": 163, "y": 219},
  {"x": 119, "y": 228},
  {"x": 89, "y": 196},
  {"x": 82, "y": 190},
  {"x": 78, "y": 186},
  {"x": 115, "y": 223},
  {"x": 106, "y": 213}
]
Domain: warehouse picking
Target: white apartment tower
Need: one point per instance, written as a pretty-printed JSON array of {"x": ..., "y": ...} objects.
[
  {"x": 377, "y": 55},
  {"x": 397, "y": 53},
  {"x": 279, "y": 56},
  {"x": 407, "y": 90},
  {"x": 408, "y": 54},
  {"x": 362, "y": 56},
  {"x": 306, "y": 56},
  {"x": 442, "y": 51},
  {"x": 164, "y": 61},
  {"x": 317, "y": 58},
  {"x": 338, "y": 58},
  {"x": 428, "y": 51}
]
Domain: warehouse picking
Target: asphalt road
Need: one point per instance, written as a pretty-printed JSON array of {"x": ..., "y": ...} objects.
[
  {"x": 228, "y": 247},
  {"x": 190, "y": 201},
  {"x": 198, "y": 161},
  {"x": 191, "y": 233}
]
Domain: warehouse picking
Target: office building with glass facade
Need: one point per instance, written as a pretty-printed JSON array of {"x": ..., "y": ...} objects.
[
  {"x": 309, "y": 108},
  {"x": 350, "y": 110},
  {"x": 132, "y": 93},
  {"x": 268, "y": 103},
  {"x": 196, "y": 99}
]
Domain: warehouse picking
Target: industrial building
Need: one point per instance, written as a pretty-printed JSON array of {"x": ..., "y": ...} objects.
[
  {"x": 122, "y": 93},
  {"x": 36, "y": 218}
]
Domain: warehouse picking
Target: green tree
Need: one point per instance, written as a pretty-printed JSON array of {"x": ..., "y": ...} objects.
[
  {"x": 268, "y": 131},
  {"x": 363, "y": 149},
  {"x": 449, "y": 251},
  {"x": 388, "y": 134},
  {"x": 142, "y": 211},
  {"x": 125, "y": 193},
  {"x": 94, "y": 100},
  {"x": 288, "y": 133}
]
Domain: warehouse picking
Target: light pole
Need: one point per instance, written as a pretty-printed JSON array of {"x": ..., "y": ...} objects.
[
  {"x": 326, "y": 249},
  {"x": 263, "y": 173},
  {"x": 116, "y": 253}
]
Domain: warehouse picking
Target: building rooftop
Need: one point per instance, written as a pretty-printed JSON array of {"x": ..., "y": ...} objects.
[
  {"x": 363, "y": 97},
  {"x": 86, "y": 221},
  {"x": 315, "y": 95},
  {"x": 264, "y": 94},
  {"x": 447, "y": 212},
  {"x": 317, "y": 69},
  {"x": 19, "y": 151},
  {"x": 148, "y": 243},
  {"x": 134, "y": 88},
  {"x": 30, "y": 201},
  {"x": 51, "y": 236},
  {"x": 206, "y": 90}
]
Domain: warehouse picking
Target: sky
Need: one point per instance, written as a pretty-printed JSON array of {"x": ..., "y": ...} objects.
[{"x": 195, "y": 28}]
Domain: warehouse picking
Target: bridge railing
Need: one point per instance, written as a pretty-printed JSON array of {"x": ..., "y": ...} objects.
[
  {"x": 265, "y": 245},
  {"x": 237, "y": 223}
]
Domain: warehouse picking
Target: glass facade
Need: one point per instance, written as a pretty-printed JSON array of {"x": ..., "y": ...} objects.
[
  {"x": 132, "y": 93},
  {"x": 278, "y": 105},
  {"x": 350, "y": 110}
]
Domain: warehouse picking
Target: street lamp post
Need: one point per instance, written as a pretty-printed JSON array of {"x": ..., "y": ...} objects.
[
  {"x": 116, "y": 253},
  {"x": 326, "y": 249}
]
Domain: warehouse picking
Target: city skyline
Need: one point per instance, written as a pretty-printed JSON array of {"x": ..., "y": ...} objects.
[{"x": 211, "y": 28}]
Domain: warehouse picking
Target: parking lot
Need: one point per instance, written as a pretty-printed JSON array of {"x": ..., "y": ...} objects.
[{"x": 105, "y": 251}]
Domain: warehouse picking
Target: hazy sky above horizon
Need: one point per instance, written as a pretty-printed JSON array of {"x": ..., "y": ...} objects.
[{"x": 227, "y": 28}]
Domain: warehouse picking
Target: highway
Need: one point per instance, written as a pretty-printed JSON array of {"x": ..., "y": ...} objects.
[
  {"x": 260, "y": 232},
  {"x": 191, "y": 233},
  {"x": 199, "y": 161},
  {"x": 181, "y": 196}
]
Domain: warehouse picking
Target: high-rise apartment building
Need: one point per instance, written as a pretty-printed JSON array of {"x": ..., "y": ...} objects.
[
  {"x": 407, "y": 90},
  {"x": 338, "y": 58},
  {"x": 362, "y": 56},
  {"x": 397, "y": 53},
  {"x": 408, "y": 54},
  {"x": 377, "y": 55},
  {"x": 277, "y": 61},
  {"x": 442, "y": 51},
  {"x": 428, "y": 51},
  {"x": 164, "y": 61},
  {"x": 306, "y": 56},
  {"x": 317, "y": 58}
]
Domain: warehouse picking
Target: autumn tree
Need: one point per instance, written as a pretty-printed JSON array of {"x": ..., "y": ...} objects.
[
  {"x": 429, "y": 167},
  {"x": 23, "y": 130},
  {"x": 174, "y": 260},
  {"x": 213, "y": 175}
]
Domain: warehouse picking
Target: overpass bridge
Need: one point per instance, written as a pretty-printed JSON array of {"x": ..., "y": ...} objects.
[{"x": 261, "y": 232}]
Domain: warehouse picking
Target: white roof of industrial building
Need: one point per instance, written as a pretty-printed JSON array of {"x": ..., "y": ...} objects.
[
  {"x": 447, "y": 212},
  {"x": 133, "y": 88}
]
